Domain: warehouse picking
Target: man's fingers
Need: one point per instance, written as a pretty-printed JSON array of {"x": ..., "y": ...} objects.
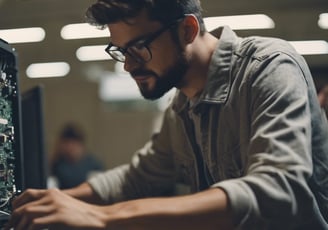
[
  {"x": 44, "y": 222},
  {"x": 27, "y": 196},
  {"x": 48, "y": 209},
  {"x": 23, "y": 223},
  {"x": 22, "y": 216}
]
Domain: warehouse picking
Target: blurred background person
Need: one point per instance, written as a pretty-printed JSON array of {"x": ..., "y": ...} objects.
[{"x": 71, "y": 164}]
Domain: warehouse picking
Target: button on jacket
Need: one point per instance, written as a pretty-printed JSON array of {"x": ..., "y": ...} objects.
[{"x": 256, "y": 131}]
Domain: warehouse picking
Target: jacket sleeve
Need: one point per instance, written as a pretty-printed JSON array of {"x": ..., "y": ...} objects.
[
  {"x": 151, "y": 172},
  {"x": 273, "y": 190}
]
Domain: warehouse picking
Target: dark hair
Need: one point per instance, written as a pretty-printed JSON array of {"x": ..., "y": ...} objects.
[
  {"x": 104, "y": 12},
  {"x": 72, "y": 131}
]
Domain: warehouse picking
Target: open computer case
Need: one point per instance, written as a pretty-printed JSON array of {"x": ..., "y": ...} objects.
[{"x": 11, "y": 158}]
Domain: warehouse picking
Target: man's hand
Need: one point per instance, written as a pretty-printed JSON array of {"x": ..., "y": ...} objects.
[
  {"x": 53, "y": 209},
  {"x": 56, "y": 210}
]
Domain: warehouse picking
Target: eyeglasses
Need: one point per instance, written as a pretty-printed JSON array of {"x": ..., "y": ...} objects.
[{"x": 138, "y": 50}]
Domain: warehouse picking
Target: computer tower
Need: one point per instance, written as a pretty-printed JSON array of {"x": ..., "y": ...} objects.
[{"x": 11, "y": 157}]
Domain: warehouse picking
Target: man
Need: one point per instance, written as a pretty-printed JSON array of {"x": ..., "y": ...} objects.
[
  {"x": 71, "y": 163},
  {"x": 322, "y": 93},
  {"x": 244, "y": 131}
]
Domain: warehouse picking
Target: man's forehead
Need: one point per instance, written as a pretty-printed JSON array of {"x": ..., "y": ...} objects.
[{"x": 123, "y": 32}]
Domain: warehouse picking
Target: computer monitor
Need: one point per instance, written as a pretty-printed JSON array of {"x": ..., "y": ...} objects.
[{"x": 34, "y": 160}]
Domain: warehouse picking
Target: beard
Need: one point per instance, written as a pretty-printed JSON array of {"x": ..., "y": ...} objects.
[{"x": 172, "y": 77}]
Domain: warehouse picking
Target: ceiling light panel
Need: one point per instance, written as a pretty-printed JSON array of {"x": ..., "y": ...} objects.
[
  {"x": 23, "y": 35},
  {"x": 50, "y": 69},
  {"x": 82, "y": 31},
  {"x": 323, "y": 21},
  {"x": 315, "y": 47},
  {"x": 92, "y": 53},
  {"x": 240, "y": 22}
]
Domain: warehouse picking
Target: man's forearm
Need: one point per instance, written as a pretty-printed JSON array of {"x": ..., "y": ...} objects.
[
  {"x": 85, "y": 193},
  {"x": 205, "y": 210}
]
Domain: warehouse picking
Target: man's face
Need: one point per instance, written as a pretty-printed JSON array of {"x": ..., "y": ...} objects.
[
  {"x": 71, "y": 149},
  {"x": 156, "y": 85},
  {"x": 323, "y": 96},
  {"x": 168, "y": 64}
]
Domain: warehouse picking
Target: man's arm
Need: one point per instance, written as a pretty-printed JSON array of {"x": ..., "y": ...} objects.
[
  {"x": 85, "y": 193},
  {"x": 205, "y": 210},
  {"x": 54, "y": 209}
]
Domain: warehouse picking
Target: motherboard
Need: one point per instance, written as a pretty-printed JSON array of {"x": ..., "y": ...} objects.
[{"x": 10, "y": 147}]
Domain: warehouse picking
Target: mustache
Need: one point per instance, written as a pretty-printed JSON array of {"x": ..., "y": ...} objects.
[{"x": 142, "y": 72}]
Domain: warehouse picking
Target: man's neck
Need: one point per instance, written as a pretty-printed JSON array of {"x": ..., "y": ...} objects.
[{"x": 201, "y": 53}]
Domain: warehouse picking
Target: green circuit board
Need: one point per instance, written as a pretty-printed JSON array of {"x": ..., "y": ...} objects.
[
  {"x": 7, "y": 152},
  {"x": 9, "y": 120}
]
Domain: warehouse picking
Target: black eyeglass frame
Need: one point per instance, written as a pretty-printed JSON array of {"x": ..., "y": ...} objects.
[{"x": 143, "y": 42}]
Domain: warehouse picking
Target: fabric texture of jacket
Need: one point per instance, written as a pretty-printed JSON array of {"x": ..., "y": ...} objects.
[{"x": 256, "y": 132}]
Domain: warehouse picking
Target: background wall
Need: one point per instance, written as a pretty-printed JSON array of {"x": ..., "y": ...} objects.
[{"x": 112, "y": 135}]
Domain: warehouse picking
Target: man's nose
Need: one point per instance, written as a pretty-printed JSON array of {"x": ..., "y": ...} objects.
[{"x": 130, "y": 63}]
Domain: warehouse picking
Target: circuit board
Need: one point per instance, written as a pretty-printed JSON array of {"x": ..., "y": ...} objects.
[{"x": 10, "y": 154}]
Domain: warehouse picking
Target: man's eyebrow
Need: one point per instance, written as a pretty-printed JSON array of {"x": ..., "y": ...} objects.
[{"x": 134, "y": 40}]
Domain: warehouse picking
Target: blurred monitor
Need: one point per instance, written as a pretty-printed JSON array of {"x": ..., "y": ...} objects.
[{"x": 34, "y": 160}]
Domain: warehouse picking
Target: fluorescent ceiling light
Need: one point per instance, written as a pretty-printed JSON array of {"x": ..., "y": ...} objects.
[
  {"x": 310, "y": 47},
  {"x": 23, "y": 35},
  {"x": 92, "y": 53},
  {"x": 240, "y": 22},
  {"x": 121, "y": 87},
  {"x": 82, "y": 30},
  {"x": 51, "y": 69},
  {"x": 118, "y": 87},
  {"x": 323, "y": 21}
]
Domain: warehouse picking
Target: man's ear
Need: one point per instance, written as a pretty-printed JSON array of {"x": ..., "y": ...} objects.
[{"x": 190, "y": 28}]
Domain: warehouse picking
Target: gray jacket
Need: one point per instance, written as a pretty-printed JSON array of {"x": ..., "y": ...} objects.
[{"x": 256, "y": 132}]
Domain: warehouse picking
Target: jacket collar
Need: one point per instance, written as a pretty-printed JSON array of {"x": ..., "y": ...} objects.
[{"x": 218, "y": 77}]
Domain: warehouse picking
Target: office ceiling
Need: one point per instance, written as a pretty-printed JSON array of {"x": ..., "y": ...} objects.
[{"x": 294, "y": 20}]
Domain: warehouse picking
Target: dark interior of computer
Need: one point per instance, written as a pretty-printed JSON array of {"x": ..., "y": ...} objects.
[{"x": 34, "y": 160}]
